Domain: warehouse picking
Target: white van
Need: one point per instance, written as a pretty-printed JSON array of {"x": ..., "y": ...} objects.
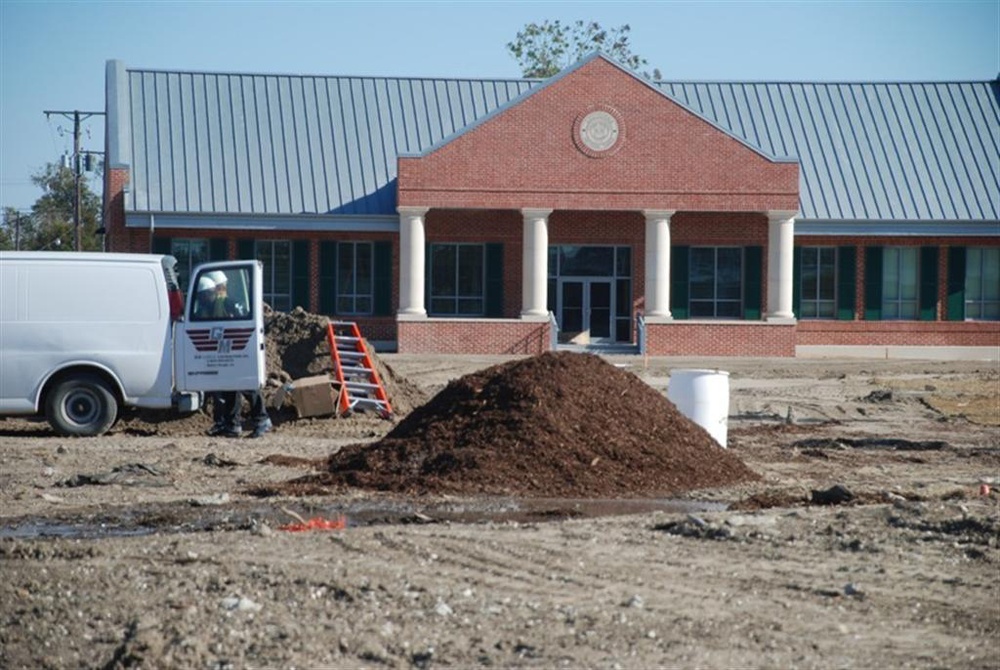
[{"x": 83, "y": 335}]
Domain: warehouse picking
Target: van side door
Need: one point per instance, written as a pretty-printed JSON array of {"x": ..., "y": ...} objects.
[{"x": 220, "y": 344}]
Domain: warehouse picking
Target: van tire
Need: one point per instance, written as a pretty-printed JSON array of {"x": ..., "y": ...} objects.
[{"x": 81, "y": 406}]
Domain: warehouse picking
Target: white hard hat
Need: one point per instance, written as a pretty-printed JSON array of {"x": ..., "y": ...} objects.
[
  {"x": 217, "y": 276},
  {"x": 205, "y": 283}
]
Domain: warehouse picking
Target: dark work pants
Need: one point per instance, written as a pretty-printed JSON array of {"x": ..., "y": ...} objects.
[{"x": 229, "y": 406}]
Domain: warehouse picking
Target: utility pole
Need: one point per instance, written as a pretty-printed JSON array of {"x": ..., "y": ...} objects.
[{"x": 77, "y": 117}]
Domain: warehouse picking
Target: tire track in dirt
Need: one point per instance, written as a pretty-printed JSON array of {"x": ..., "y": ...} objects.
[{"x": 538, "y": 567}]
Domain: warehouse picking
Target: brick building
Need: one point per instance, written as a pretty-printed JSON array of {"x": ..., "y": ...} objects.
[{"x": 594, "y": 208}]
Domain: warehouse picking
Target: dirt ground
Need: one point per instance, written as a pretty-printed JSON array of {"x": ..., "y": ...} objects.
[{"x": 867, "y": 541}]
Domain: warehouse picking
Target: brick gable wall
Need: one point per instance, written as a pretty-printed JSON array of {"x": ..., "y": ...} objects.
[{"x": 668, "y": 157}]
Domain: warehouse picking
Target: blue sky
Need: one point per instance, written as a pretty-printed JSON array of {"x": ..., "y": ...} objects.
[{"x": 52, "y": 54}]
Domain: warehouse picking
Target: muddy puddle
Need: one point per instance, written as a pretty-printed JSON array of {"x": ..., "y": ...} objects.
[{"x": 183, "y": 518}]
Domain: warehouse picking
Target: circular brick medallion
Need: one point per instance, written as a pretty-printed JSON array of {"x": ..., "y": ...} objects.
[{"x": 599, "y": 131}]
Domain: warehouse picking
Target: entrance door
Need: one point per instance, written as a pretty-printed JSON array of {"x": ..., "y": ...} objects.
[{"x": 585, "y": 311}]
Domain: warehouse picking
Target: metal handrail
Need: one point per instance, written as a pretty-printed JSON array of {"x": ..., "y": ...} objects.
[{"x": 640, "y": 333}]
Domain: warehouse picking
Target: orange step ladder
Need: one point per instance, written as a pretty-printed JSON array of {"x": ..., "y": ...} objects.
[{"x": 360, "y": 386}]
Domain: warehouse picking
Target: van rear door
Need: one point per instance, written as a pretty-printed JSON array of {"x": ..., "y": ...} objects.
[{"x": 220, "y": 344}]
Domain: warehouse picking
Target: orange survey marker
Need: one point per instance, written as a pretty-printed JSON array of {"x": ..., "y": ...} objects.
[{"x": 317, "y": 523}]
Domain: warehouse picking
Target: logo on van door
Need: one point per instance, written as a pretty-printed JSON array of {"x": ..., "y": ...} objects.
[{"x": 220, "y": 340}]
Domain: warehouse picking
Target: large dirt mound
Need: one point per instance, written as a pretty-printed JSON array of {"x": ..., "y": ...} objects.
[{"x": 561, "y": 424}]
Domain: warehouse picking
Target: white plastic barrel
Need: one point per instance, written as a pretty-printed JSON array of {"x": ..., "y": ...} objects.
[{"x": 703, "y": 397}]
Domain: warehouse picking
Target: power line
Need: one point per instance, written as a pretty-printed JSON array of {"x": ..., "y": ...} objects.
[{"x": 76, "y": 117}]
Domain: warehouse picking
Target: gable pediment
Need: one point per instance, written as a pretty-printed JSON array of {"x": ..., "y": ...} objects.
[{"x": 597, "y": 137}]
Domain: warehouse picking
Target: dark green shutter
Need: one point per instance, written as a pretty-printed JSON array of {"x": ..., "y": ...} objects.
[
  {"x": 218, "y": 250},
  {"x": 928, "y": 297},
  {"x": 679, "y": 269},
  {"x": 328, "y": 277},
  {"x": 300, "y": 274},
  {"x": 796, "y": 283},
  {"x": 427, "y": 277},
  {"x": 494, "y": 281},
  {"x": 382, "y": 280},
  {"x": 161, "y": 245},
  {"x": 873, "y": 283},
  {"x": 847, "y": 278},
  {"x": 752, "y": 269},
  {"x": 956, "y": 284}
]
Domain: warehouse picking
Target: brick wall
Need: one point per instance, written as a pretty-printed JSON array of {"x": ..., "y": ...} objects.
[
  {"x": 473, "y": 336},
  {"x": 705, "y": 338},
  {"x": 666, "y": 157},
  {"x": 899, "y": 333},
  {"x": 118, "y": 237}
]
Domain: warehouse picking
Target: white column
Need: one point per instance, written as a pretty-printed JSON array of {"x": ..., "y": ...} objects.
[
  {"x": 780, "y": 245},
  {"x": 411, "y": 261},
  {"x": 658, "y": 262},
  {"x": 535, "y": 263}
]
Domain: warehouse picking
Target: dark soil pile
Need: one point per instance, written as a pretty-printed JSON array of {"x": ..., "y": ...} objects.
[
  {"x": 558, "y": 425},
  {"x": 295, "y": 345}
]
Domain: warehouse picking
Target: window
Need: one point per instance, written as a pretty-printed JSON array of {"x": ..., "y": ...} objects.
[
  {"x": 355, "y": 283},
  {"x": 982, "y": 284},
  {"x": 716, "y": 286},
  {"x": 457, "y": 283},
  {"x": 225, "y": 295},
  {"x": 276, "y": 257},
  {"x": 189, "y": 254},
  {"x": 819, "y": 283},
  {"x": 900, "y": 282},
  {"x": 577, "y": 261}
]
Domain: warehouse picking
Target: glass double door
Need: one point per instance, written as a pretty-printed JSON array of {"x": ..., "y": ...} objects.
[{"x": 586, "y": 310}]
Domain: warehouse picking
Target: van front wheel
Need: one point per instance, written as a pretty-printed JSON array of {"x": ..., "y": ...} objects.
[{"x": 82, "y": 406}]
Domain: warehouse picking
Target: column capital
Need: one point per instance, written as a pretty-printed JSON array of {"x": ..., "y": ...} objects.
[
  {"x": 656, "y": 214},
  {"x": 412, "y": 211},
  {"x": 776, "y": 215},
  {"x": 535, "y": 213}
]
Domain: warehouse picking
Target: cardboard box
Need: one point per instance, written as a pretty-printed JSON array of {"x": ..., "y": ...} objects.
[{"x": 314, "y": 396}]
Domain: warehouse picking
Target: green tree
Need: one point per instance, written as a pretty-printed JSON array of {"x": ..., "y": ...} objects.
[
  {"x": 542, "y": 50},
  {"x": 51, "y": 216}
]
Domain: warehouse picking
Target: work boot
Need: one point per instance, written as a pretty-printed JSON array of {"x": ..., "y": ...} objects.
[
  {"x": 218, "y": 428},
  {"x": 234, "y": 430},
  {"x": 263, "y": 426}
]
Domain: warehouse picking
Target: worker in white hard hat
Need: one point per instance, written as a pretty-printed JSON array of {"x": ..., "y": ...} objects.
[
  {"x": 218, "y": 276},
  {"x": 204, "y": 305},
  {"x": 228, "y": 405},
  {"x": 224, "y": 307}
]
